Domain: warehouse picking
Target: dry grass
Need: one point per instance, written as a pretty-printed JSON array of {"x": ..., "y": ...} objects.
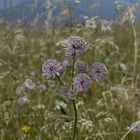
[{"x": 104, "y": 114}]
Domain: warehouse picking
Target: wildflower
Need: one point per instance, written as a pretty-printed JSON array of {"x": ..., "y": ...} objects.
[
  {"x": 80, "y": 66},
  {"x": 25, "y": 128},
  {"x": 99, "y": 71},
  {"x": 64, "y": 91},
  {"x": 81, "y": 82},
  {"x": 42, "y": 88},
  {"x": 135, "y": 126},
  {"x": 72, "y": 95},
  {"x": 22, "y": 100},
  {"x": 20, "y": 89},
  {"x": 65, "y": 65},
  {"x": 29, "y": 84},
  {"x": 51, "y": 67},
  {"x": 75, "y": 45}
]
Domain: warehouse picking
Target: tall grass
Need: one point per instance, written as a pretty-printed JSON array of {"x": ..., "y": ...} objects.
[{"x": 106, "y": 112}]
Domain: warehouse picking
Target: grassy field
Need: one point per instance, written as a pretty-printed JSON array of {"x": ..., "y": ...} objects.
[{"x": 105, "y": 113}]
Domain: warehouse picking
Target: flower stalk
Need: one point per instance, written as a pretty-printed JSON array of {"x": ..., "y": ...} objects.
[
  {"x": 73, "y": 102},
  {"x": 135, "y": 52},
  {"x": 76, "y": 118}
]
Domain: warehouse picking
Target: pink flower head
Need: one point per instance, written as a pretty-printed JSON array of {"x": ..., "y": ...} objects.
[
  {"x": 81, "y": 82},
  {"x": 75, "y": 45},
  {"x": 51, "y": 67},
  {"x": 99, "y": 71}
]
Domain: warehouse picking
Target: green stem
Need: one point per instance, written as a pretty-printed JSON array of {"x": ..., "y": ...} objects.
[
  {"x": 76, "y": 116},
  {"x": 135, "y": 52},
  {"x": 124, "y": 136},
  {"x": 59, "y": 80},
  {"x": 73, "y": 101},
  {"x": 73, "y": 66}
]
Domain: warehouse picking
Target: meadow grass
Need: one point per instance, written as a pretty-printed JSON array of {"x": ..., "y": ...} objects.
[{"x": 104, "y": 113}]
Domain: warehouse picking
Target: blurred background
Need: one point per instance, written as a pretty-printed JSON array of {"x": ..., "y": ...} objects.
[{"x": 16, "y": 10}]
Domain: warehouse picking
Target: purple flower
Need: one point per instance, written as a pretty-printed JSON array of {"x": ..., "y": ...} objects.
[
  {"x": 20, "y": 89},
  {"x": 64, "y": 91},
  {"x": 75, "y": 45},
  {"x": 71, "y": 95},
  {"x": 29, "y": 84},
  {"x": 80, "y": 66},
  {"x": 51, "y": 67},
  {"x": 65, "y": 64},
  {"x": 81, "y": 82},
  {"x": 99, "y": 71},
  {"x": 42, "y": 88},
  {"x": 135, "y": 126},
  {"x": 22, "y": 100}
]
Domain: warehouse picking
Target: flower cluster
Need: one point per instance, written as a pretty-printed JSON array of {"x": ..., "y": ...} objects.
[
  {"x": 30, "y": 85},
  {"x": 25, "y": 128},
  {"x": 81, "y": 75}
]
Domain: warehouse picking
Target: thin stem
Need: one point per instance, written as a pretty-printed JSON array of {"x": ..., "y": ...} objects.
[
  {"x": 130, "y": 130},
  {"x": 135, "y": 52},
  {"x": 76, "y": 116},
  {"x": 73, "y": 101},
  {"x": 59, "y": 80},
  {"x": 73, "y": 65}
]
